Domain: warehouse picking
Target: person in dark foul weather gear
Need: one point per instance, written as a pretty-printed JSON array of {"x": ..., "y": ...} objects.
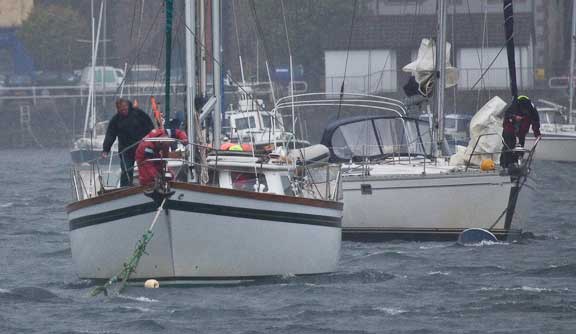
[
  {"x": 518, "y": 118},
  {"x": 129, "y": 125}
]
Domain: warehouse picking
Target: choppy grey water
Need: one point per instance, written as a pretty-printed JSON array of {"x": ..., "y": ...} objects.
[{"x": 398, "y": 287}]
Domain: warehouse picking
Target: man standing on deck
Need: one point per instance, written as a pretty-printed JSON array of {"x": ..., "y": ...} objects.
[
  {"x": 129, "y": 125},
  {"x": 518, "y": 118}
]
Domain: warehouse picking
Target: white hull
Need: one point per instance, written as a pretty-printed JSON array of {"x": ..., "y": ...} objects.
[
  {"x": 554, "y": 147},
  {"x": 206, "y": 235},
  {"x": 430, "y": 207}
]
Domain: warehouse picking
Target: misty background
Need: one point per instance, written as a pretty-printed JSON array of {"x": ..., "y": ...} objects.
[{"x": 46, "y": 44}]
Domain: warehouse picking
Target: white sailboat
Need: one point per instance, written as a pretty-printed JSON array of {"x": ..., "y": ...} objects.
[
  {"x": 258, "y": 215},
  {"x": 397, "y": 184},
  {"x": 558, "y": 142}
]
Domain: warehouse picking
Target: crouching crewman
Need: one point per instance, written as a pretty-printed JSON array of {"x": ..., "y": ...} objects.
[{"x": 148, "y": 171}]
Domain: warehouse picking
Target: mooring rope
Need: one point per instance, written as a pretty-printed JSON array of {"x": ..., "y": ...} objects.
[{"x": 129, "y": 266}]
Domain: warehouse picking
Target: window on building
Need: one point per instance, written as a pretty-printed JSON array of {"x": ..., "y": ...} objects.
[
  {"x": 472, "y": 62},
  {"x": 368, "y": 71}
]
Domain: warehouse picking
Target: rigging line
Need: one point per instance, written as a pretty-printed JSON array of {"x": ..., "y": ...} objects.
[
  {"x": 480, "y": 62},
  {"x": 488, "y": 68},
  {"x": 219, "y": 63},
  {"x": 141, "y": 47},
  {"x": 260, "y": 34},
  {"x": 133, "y": 20},
  {"x": 484, "y": 43},
  {"x": 347, "y": 55},
  {"x": 238, "y": 40},
  {"x": 291, "y": 73},
  {"x": 285, "y": 26}
]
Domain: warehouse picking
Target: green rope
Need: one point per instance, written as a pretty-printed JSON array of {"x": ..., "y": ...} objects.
[{"x": 128, "y": 267}]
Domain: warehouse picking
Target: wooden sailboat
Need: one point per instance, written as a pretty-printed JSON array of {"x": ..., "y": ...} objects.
[{"x": 283, "y": 218}]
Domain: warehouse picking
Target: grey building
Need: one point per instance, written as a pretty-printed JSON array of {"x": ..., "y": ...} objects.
[{"x": 389, "y": 32}]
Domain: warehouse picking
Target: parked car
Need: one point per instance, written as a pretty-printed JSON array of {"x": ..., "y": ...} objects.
[
  {"x": 144, "y": 75},
  {"x": 19, "y": 80},
  {"x": 56, "y": 78},
  {"x": 106, "y": 78}
]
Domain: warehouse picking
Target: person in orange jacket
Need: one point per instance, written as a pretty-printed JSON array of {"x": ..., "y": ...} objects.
[{"x": 149, "y": 170}]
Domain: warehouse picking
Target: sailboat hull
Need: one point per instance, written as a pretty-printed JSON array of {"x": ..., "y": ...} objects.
[
  {"x": 206, "y": 233},
  {"x": 425, "y": 207},
  {"x": 554, "y": 147}
]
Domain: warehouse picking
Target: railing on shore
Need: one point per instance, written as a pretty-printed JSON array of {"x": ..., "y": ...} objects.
[{"x": 33, "y": 94}]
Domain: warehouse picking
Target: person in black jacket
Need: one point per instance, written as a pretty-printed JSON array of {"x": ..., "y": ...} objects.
[
  {"x": 129, "y": 125},
  {"x": 518, "y": 118}
]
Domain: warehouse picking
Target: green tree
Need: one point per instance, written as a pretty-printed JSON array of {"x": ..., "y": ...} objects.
[{"x": 52, "y": 33}]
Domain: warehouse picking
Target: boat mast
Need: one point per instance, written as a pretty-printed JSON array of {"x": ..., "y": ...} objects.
[
  {"x": 169, "y": 13},
  {"x": 202, "y": 43},
  {"x": 90, "y": 120},
  {"x": 217, "y": 71},
  {"x": 509, "y": 30},
  {"x": 440, "y": 75},
  {"x": 190, "y": 8},
  {"x": 572, "y": 42}
]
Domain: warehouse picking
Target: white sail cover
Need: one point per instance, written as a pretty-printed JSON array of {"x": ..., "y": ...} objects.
[
  {"x": 424, "y": 66},
  {"x": 488, "y": 120}
]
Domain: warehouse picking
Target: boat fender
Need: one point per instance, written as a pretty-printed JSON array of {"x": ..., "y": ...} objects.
[
  {"x": 151, "y": 284},
  {"x": 487, "y": 165},
  {"x": 310, "y": 154}
]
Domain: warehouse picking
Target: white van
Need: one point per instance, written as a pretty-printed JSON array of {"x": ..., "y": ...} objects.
[
  {"x": 144, "y": 75},
  {"x": 106, "y": 79}
]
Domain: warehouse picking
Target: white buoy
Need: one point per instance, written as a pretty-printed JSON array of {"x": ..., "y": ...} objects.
[{"x": 151, "y": 284}]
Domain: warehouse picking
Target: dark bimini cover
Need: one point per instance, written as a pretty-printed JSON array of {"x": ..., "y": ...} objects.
[{"x": 376, "y": 137}]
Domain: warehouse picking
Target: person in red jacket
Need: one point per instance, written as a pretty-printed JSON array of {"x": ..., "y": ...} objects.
[
  {"x": 149, "y": 170},
  {"x": 518, "y": 118}
]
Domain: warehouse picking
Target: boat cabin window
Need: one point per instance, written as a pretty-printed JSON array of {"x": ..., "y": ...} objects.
[
  {"x": 464, "y": 125},
  {"x": 245, "y": 123},
  {"x": 373, "y": 138},
  {"x": 450, "y": 123},
  {"x": 266, "y": 122},
  {"x": 287, "y": 186},
  {"x": 248, "y": 181}
]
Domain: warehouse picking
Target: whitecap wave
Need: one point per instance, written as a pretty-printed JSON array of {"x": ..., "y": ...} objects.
[
  {"x": 140, "y": 299},
  {"x": 442, "y": 273},
  {"x": 520, "y": 288},
  {"x": 389, "y": 310},
  {"x": 487, "y": 243},
  {"x": 431, "y": 247},
  {"x": 6, "y": 205},
  {"x": 141, "y": 309}
]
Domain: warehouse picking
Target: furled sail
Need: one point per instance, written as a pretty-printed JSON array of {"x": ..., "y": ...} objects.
[
  {"x": 423, "y": 68},
  {"x": 485, "y": 123}
]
